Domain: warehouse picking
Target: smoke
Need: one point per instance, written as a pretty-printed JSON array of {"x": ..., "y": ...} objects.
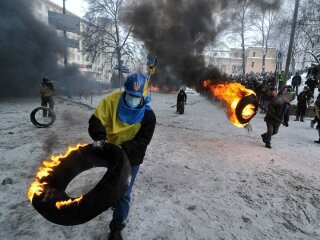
[
  {"x": 29, "y": 51},
  {"x": 177, "y": 32}
]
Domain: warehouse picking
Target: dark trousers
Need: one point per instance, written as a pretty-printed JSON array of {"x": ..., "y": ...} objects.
[
  {"x": 296, "y": 87},
  {"x": 45, "y": 101},
  {"x": 272, "y": 129},
  {"x": 121, "y": 210},
  {"x": 301, "y": 112}
]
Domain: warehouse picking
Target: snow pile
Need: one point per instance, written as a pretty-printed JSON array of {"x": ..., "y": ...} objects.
[{"x": 202, "y": 178}]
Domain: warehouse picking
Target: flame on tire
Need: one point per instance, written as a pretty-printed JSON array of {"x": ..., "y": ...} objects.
[
  {"x": 47, "y": 167},
  {"x": 231, "y": 94}
]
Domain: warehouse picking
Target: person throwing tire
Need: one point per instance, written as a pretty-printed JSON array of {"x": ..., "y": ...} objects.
[{"x": 125, "y": 119}]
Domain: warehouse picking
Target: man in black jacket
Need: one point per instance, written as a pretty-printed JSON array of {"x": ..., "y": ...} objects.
[
  {"x": 296, "y": 81},
  {"x": 125, "y": 119},
  {"x": 181, "y": 99},
  {"x": 303, "y": 101},
  {"x": 276, "y": 110}
]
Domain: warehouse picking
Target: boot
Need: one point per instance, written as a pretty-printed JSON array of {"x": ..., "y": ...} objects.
[
  {"x": 301, "y": 119},
  {"x": 268, "y": 145},
  {"x": 263, "y": 137},
  {"x": 297, "y": 118},
  {"x": 115, "y": 234},
  {"x": 317, "y": 141}
]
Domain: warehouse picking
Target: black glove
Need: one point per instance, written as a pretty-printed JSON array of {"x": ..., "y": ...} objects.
[
  {"x": 98, "y": 145},
  {"x": 286, "y": 124}
]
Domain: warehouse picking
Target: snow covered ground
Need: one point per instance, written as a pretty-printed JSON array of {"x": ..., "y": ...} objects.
[{"x": 202, "y": 178}]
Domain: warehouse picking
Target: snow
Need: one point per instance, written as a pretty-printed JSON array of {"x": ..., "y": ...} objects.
[{"x": 202, "y": 178}]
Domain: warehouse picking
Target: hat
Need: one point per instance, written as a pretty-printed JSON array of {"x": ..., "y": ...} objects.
[{"x": 136, "y": 85}]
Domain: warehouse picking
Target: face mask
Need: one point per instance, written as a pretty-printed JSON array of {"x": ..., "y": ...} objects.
[{"x": 132, "y": 101}]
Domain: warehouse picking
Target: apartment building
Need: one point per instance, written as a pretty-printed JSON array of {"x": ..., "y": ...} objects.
[{"x": 75, "y": 56}]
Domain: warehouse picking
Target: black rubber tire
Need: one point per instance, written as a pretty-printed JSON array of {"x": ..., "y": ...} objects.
[
  {"x": 41, "y": 125},
  {"x": 103, "y": 196},
  {"x": 250, "y": 99},
  {"x": 181, "y": 107}
]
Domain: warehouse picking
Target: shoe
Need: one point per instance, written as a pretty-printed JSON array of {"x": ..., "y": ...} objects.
[
  {"x": 318, "y": 141},
  {"x": 115, "y": 235},
  {"x": 301, "y": 120},
  {"x": 263, "y": 137},
  {"x": 312, "y": 124},
  {"x": 268, "y": 146}
]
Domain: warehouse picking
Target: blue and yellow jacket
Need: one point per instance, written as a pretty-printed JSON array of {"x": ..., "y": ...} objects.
[{"x": 132, "y": 129}]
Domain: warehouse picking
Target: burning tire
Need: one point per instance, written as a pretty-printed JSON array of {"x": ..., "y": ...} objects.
[
  {"x": 249, "y": 103},
  {"x": 42, "y": 122},
  {"x": 48, "y": 195}
]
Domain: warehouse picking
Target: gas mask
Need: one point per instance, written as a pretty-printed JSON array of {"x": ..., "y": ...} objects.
[{"x": 132, "y": 101}]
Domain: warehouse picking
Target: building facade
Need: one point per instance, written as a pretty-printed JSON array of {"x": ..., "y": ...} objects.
[
  {"x": 74, "y": 55},
  {"x": 254, "y": 60},
  {"x": 229, "y": 60}
]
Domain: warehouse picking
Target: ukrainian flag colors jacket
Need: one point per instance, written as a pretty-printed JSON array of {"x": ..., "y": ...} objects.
[{"x": 132, "y": 129}]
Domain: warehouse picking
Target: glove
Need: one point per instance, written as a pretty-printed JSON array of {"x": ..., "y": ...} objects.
[
  {"x": 98, "y": 145},
  {"x": 286, "y": 124}
]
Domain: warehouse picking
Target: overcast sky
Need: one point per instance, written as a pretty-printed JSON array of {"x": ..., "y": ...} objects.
[{"x": 75, "y": 6}]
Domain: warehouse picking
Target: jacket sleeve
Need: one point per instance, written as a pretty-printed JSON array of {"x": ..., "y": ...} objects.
[
  {"x": 136, "y": 148},
  {"x": 96, "y": 129}
]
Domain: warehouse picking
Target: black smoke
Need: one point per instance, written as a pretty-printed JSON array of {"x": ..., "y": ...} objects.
[
  {"x": 29, "y": 51},
  {"x": 177, "y": 32}
]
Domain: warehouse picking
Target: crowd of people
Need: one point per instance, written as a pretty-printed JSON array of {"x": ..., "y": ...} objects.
[{"x": 276, "y": 98}]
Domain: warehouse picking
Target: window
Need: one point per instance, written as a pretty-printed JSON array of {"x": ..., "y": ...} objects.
[
  {"x": 253, "y": 54},
  {"x": 252, "y": 64}
]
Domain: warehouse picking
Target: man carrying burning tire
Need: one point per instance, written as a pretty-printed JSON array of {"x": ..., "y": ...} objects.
[
  {"x": 274, "y": 118},
  {"x": 125, "y": 119}
]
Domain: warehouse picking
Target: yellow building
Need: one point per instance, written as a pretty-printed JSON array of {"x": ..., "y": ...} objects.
[
  {"x": 254, "y": 60},
  {"x": 229, "y": 60}
]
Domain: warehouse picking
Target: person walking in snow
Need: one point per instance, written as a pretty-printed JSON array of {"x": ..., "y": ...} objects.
[
  {"x": 296, "y": 82},
  {"x": 316, "y": 117},
  {"x": 274, "y": 117},
  {"x": 181, "y": 100},
  {"x": 303, "y": 101},
  {"x": 125, "y": 119},
  {"x": 46, "y": 90},
  {"x": 317, "y": 113},
  {"x": 312, "y": 83}
]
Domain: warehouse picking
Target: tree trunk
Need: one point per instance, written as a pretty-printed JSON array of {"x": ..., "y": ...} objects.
[
  {"x": 119, "y": 66},
  {"x": 264, "y": 62},
  {"x": 243, "y": 47},
  {"x": 243, "y": 54}
]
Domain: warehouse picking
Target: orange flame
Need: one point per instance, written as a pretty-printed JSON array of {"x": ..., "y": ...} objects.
[
  {"x": 47, "y": 167},
  {"x": 231, "y": 94},
  {"x": 154, "y": 88},
  {"x": 69, "y": 202}
]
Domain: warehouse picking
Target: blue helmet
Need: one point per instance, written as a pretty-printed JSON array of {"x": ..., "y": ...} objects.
[{"x": 136, "y": 84}]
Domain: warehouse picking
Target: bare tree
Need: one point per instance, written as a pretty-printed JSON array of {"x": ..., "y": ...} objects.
[
  {"x": 264, "y": 23},
  {"x": 242, "y": 23},
  {"x": 105, "y": 38},
  {"x": 309, "y": 25}
]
